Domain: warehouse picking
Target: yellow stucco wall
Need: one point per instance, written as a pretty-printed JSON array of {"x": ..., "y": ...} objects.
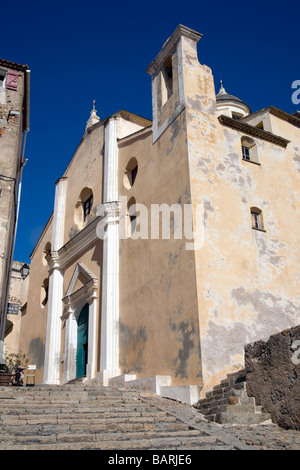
[
  {"x": 247, "y": 280},
  {"x": 158, "y": 313}
]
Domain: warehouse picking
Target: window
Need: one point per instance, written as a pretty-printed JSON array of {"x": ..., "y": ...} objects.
[
  {"x": 46, "y": 253},
  {"x": 12, "y": 80},
  {"x": 2, "y": 78},
  {"x": 130, "y": 173},
  {"x": 87, "y": 207},
  {"x": 83, "y": 207},
  {"x": 249, "y": 150},
  {"x": 131, "y": 208},
  {"x": 133, "y": 174},
  {"x": 44, "y": 292},
  {"x": 167, "y": 79},
  {"x": 257, "y": 219},
  {"x": 245, "y": 152}
]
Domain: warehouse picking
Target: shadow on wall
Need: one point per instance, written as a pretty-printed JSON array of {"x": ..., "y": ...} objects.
[{"x": 37, "y": 352}]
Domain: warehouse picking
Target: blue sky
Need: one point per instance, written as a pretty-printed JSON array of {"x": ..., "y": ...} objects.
[{"x": 79, "y": 51}]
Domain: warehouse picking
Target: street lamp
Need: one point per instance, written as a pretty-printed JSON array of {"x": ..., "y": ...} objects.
[{"x": 25, "y": 270}]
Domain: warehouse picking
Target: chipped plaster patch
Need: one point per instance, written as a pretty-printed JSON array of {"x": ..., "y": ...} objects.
[
  {"x": 221, "y": 347},
  {"x": 132, "y": 341},
  {"x": 223, "y": 344},
  {"x": 272, "y": 313}
]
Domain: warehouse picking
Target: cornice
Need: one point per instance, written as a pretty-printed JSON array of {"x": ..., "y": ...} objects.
[
  {"x": 254, "y": 131},
  {"x": 78, "y": 243},
  {"x": 107, "y": 213},
  {"x": 285, "y": 116}
]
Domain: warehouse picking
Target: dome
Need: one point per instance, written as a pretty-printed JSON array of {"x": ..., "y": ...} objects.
[{"x": 231, "y": 105}]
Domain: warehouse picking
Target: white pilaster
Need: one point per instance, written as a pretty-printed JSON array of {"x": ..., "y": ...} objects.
[
  {"x": 110, "y": 192},
  {"x": 92, "y": 347},
  {"x": 109, "y": 358},
  {"x": 70, "y": 347},
  {"x": 53, "y": 328},
  {"x": 59, "y": 214}
]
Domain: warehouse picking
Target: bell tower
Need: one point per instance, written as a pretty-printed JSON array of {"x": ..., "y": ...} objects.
[{"x": 167, "y": 74}]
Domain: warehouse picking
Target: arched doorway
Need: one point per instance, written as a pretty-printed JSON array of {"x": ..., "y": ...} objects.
[{"x": 82, "y": 341}]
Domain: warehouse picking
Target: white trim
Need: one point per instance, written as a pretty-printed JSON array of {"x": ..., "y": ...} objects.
[
  {"x": 53, "y": 328},
  {"x": 74, "y": 301},
  {"x": 110, "y": 190},
  {"x": 79, "y": 269},
  {"x": 59, "y": 214},
  {"x": 109, "y": 355}
]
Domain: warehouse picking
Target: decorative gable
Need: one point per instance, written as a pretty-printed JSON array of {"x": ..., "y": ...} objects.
[{"x": 83, "y": 286}]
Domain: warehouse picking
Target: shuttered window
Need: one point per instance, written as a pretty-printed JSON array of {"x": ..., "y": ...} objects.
[{"x": 12, "y": 80}]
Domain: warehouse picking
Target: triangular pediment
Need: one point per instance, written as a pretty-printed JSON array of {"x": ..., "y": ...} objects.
[{"x": 80, "y": 278}]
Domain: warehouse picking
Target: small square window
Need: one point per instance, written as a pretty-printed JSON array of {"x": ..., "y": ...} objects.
[
  {"x": 249, "y": 150},
  {"x": 246, "y": 152},
  {"x": 257, "y": 219}
]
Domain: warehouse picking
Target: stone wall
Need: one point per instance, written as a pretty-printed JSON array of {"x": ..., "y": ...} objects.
[{"x": 273, "y": 376}]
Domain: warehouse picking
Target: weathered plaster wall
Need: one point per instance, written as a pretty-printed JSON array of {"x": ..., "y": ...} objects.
[
  {"x": 246, "y": 280},
  {"x": 159, "y": 331},
  {"x": 11, "y": 119}
]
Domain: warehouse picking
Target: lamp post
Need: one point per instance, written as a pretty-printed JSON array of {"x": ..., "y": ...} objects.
[{"x": 24, "y": 270}]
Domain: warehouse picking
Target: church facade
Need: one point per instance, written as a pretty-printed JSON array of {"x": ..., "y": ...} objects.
[{"x": 173, "y": 242}]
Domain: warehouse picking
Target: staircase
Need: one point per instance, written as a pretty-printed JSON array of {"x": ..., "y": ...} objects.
[
  {"x": 78, "y": 417},
  {"x": 228, "y": 403}
]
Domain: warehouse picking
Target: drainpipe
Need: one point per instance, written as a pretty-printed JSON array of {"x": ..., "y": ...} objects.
[{"x": 17, "y": 207}]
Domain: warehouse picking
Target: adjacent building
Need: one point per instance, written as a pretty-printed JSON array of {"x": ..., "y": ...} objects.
[{"x": 14, "y": 126}]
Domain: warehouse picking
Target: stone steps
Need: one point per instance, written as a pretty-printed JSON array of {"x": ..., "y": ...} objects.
[
  {"x": 228, "y": 403},
  {"x": 131, "y": 442},
  {"x": 73, "y": 417}
]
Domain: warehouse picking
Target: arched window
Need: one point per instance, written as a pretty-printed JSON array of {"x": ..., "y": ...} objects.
[
  {"x": 167, "y": 79},
  {"x": 130, "y": 173},
  {"x": 249, "y": 150},
  {"x": 83, "y": 207},
  {"x": 44, "y": 292},
  {"x": 46, "y": 252},
  {"x": 131, "y": 211},
  {"x": 257, "y": 219}
]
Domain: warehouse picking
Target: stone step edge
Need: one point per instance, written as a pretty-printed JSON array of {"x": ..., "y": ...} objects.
[{"x": 159, "y": 385}]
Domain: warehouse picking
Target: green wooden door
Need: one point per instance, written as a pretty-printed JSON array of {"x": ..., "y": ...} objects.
[{"x": 82, "y": 341}]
